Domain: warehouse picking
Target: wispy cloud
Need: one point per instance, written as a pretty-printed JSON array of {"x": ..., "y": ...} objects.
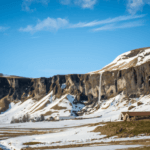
[
  {"x": 106, "y": 21},
  {"x": 121, "y": 26},
  {"x": 134, "y": 6},
  {"x": 65, "y": 2},
  {"x": 48, "y": 24},
  {"x": 82, "y": 3},
  {"x": 86, "y": 3},
  {"x": 51, "y": 24},
  {"x": 27, "y": 3},
  {"x": 2, "y": 29}
]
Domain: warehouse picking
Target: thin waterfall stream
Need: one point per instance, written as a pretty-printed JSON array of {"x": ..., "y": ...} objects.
[{"x": 100, "y": 85}]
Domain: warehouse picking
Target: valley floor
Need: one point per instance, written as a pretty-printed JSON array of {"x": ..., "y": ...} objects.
[
  {"x": 100, "y": 129},
  {"x": 75, "y": 135}
]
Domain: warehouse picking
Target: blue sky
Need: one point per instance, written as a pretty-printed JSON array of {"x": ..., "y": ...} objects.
[{"x": 42, "y": 38}]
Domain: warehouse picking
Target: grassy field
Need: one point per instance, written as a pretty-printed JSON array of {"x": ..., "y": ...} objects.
[
  {"x": 119, "y": 129},
  {"x": 145, "y": 143},
  {"x": 125, "y": 129},
  {"x": 140, "y": 148}
]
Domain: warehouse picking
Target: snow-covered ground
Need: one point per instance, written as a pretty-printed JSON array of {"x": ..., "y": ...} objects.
[
  {"x": 68, "y": 136},
  {"x": 48, "y": 105},
  {"x": 73, "y": 131},
  {"x": 107, "y": 147},
  {"x": 109, "y": 111},
  {"x": 125, "y": 61}
]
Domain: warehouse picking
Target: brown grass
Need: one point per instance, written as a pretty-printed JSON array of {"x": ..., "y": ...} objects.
[
  {"x": 139, "y": 103},
  {"x": 56, "y": 107},
  {"x": 133, "y": 101},
  {"x": 8, "y": 133},
  {"x": 131, "y": 107},
  {"x": 106, "y": 107},
  {"x": 134, "y": 142},
  {"x": 140, "y": 148},
  {"x": 49, "y": 113},
  {"x": 125, "y": 128},
  {"x": 32, "y": 143}
]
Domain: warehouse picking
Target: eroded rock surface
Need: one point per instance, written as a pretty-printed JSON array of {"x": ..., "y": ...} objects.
[{"x": 133, "y": 81}]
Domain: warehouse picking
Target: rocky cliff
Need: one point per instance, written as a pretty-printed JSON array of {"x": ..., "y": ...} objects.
[{"x": 128, "y": 73}]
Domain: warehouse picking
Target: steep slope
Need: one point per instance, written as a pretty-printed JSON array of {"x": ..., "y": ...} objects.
[
  {"x": 77, "y": 94},
  {"x": 127, "y": 60}
]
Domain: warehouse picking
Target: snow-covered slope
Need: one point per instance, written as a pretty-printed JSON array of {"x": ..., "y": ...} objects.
[
  {"x": 81, "y": 94},
  {"x": 109, "y": 109},
  {"x": 48, "y": 106},
  {"x": 126, "y": 60}
]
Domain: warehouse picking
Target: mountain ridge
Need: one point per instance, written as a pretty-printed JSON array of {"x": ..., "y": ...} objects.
[{"x": 79, "y": 89}]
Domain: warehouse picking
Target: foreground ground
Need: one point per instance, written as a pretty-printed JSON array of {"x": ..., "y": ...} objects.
[
  {"x": 98, "y": 129},
  {"x": 76, "y": 135}
]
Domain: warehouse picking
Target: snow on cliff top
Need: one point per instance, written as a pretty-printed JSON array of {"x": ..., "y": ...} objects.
[{"x": 126, "y": 60}]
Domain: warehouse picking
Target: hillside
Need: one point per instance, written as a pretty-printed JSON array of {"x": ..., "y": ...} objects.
[
  {"x": 123, "y": 82},
  {"x": 127, "y": 60}
]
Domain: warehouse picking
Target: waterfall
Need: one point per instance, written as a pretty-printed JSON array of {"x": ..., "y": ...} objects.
[{"x": 100, "y": 85}]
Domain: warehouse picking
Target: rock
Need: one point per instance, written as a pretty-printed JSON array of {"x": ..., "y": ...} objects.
[{"x": 132, "y": 81}]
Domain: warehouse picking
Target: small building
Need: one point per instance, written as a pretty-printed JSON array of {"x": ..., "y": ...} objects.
[{"x": 128, "y": 116}]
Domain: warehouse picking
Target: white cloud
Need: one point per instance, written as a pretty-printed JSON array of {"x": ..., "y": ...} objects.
[
  {"x": 85, "y": 3},
  {"x": 106, "y": 21},
  {"x": 121, "y": 26},
  {"x": 2, "y": 29},
  {"x": 27, "y": 3},
  {"x": 134, "y": 6},
  {"x": 82, "y": 3},
  {"x": 48, "y": 24},
  {"x": 51, "y": 24}
]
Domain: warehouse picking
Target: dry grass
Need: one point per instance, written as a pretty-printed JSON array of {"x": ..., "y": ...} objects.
[
  {"x": 13, "y": 133},
  {"x": 140, "y": 148},
  {"x": 32, "y": 143},
  {"x": 134, "y": 142},
  {"x": 131, "y": 107},
  {"x": 56, "y": 107},
  {"x": 106, "y": 68},
  {"x": 139, "y": 103},
  {"x": 125, "y": 129},
  {"x": 49, "y": 113},
  {"x": 105, "y": 107},
  {"x": 133, "y": 101}
]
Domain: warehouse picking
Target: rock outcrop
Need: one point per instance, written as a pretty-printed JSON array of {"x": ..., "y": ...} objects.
[{"x": 133, "y": 79}]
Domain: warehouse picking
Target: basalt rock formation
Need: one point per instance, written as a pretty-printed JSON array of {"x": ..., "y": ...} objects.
[{"x": 128, "y": 73}]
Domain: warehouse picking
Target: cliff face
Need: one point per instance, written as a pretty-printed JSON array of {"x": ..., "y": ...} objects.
[
  {"x": 14, "y": 89},
  {"x": 132, "y": 79}
]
